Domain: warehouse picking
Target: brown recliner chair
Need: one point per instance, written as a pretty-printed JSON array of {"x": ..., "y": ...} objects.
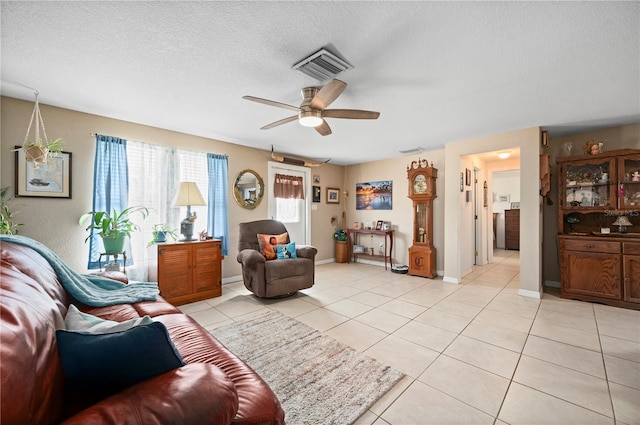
[{"x": 273, "y": 278}]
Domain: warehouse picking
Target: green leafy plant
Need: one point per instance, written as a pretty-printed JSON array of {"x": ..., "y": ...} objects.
[
  {"x": 7, "y": 225},
  {"x": 160, "y": 233},
  {"x": 115, "y": 224},
  {"x": 340, "y": 235}
]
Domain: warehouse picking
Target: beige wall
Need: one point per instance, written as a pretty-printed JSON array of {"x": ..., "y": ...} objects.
[
  {"x": 54, "y": 222},
  {"x": 624, "y": 137},
  {"x": 401, "y": 215}
]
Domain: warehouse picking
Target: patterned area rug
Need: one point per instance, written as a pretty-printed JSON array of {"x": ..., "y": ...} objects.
[{"x": 317, "y": 379}]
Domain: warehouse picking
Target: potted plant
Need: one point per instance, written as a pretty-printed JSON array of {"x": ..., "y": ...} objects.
[
  {"x": 39, "y": 151},
  {"x": 7, "y": 225},
  {"x": 113, "y": 228},
  {"x": 160, "y": 233},
  {"x": 342, "y": 253}
]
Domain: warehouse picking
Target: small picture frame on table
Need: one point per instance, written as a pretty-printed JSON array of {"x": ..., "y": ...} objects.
[{"x": 379, "y": 225}]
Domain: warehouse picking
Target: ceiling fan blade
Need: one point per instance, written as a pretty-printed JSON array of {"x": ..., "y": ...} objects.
[
  {"x": 328, "y": 94},
  {"x": 271, "y": 103},
  {"x": 279, "y": 122},
  {"x": 354, "y": 114},
  {"x": 323, "y": 128}
]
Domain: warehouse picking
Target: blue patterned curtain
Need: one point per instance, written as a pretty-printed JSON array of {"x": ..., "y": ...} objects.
[
  {"x": 110, "y": 185},
  {"x": 218, "y": 198}
]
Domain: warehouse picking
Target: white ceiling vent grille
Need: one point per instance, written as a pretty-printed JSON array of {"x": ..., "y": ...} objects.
[{"x": 322, "y": 65}]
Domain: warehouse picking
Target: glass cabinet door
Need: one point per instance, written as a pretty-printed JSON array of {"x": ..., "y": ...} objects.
[
  {"x": 589, "y": 184},
  {"x": 629, "y": 182},
  {"x": 420, "y": 223}
]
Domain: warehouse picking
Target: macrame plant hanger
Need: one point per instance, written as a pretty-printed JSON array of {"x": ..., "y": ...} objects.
[{"x": 36, "y": 150}]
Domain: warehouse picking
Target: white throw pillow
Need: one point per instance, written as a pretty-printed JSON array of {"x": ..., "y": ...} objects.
[{"x": 84, "y": 322}]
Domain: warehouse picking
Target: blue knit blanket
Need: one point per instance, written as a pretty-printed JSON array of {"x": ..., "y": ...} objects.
[{"x": 91, "y": 290}]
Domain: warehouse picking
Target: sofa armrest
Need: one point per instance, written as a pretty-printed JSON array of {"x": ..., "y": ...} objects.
[
  {"x": 306, "y": 251},
  {"x": 198, "y": 393},
  {"x": 251, "y": 258}
]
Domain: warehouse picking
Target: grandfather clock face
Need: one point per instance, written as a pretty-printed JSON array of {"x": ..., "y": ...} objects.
[{"x": 420, "y": 184}]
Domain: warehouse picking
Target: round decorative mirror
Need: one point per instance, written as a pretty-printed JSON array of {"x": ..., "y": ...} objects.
[{"x": 248, "y": 189}]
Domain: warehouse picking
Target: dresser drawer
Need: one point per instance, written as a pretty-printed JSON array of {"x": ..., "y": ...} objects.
[
  {"x": 591, "y": 245},
  {"x": 631, "y": 248}
]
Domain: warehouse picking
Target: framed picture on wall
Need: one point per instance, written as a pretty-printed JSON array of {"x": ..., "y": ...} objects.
[
  {"x": 316, "y": 194},
  {"x": 467, "y": 176},
  {"x": 49, "y": 180},
  {"x": 333, "y": 195}
]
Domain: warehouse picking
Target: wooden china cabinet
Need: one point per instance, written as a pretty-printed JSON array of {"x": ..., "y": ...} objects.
[
  {"x": 593, "y": 192},
  {"x": 422, "y": 191}
]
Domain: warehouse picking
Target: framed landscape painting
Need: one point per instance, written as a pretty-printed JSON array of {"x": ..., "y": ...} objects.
[{"x": 374, "y": 195}]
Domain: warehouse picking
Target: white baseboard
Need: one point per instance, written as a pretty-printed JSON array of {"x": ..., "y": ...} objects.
[
  {"x": 528, "y": 293},
  {"x": 449, "y": 279}
]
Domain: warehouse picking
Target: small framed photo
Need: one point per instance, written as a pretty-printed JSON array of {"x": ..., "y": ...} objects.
[
  {"x": 49, "y": 180},
  {"x": 503, "y": 198},
  {"x": 316, "y": 179},
  {"x": 468, "y": 176},
  {"x": 515, "y": 205},
  {"x": 316, "y": 194},
  {"x": 333, "y": 195},
  {"x": 379, "y": 225},
  {"x": 356, "y": 225},
  {"x": 461, "y": 182}
]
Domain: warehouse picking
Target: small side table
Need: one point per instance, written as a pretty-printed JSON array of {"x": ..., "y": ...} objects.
[{"x": 115, "y": 259}]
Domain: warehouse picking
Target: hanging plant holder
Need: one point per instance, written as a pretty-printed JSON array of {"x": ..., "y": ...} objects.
[{"x": 38, "y": 149}]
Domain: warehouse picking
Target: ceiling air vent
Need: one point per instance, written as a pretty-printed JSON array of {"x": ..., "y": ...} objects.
[
  {"x": 412, "y": 151},
  {"x": 322, "y": 65}
]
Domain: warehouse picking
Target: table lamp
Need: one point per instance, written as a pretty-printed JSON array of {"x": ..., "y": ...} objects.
[
  {"x": 622, "y": 222},
  {"x": 188, "y": 195}
]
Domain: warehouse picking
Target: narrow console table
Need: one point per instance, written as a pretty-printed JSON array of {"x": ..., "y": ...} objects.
[{"x": 353, "y": 237}]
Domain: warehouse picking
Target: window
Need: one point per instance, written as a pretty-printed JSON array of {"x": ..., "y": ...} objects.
[{"x": 154, "y": 176}]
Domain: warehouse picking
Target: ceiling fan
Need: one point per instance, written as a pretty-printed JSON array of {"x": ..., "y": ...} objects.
[{"x": 312, "y": 111}]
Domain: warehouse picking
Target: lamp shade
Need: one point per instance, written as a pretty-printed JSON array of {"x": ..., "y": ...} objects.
[
  {"x": 622, "y": 220},
  {"x": 188, "y": 195}
]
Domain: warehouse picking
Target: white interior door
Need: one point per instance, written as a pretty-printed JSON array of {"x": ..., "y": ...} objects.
[{"x": 294, "y": 213}]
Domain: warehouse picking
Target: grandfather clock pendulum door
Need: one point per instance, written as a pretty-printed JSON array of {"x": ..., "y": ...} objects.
[{"x": 422, "y": 191}]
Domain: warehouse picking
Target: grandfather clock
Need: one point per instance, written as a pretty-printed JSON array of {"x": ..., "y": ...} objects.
[{"x": 422, "y": 191}]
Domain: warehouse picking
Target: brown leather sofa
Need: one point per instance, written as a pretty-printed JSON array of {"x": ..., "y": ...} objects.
[
  {"x": 214, "y": 387},
  {"x": 273, "y": 278}
]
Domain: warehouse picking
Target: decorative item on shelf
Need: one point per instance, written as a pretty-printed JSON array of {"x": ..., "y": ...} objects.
[
  {"x": 635, "y": 177},
  {"x": 593, "y": 148},
  {"x": 572, "y": 219},
  {"x": 39, "y": 149},
  {"x": 189, "y": 195},
  {"x": 623, "y": 223},
  {"x": 358, "y": 249},
  {"x": 340, "y": 235},
  {"x": 567, "y": 148}
]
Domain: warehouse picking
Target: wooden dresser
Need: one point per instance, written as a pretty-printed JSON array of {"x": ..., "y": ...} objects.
[
  {"x": 189, "y": 271},
  {"x": 512, "y": 229}
]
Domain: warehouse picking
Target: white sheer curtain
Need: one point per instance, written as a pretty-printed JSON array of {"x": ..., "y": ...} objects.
[{"x": 155, "y": 174}]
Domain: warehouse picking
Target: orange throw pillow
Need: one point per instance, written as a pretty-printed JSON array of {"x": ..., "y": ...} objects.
[{"x": 268, "y": 244}]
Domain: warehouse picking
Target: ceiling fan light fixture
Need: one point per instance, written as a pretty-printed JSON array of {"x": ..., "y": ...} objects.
[{"x": 310, "y": 118}]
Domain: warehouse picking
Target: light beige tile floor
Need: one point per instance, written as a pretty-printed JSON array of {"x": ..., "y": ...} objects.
[{"x": 474, "y": 353}]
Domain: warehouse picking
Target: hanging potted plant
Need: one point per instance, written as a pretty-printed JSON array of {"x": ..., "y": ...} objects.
[
  {"x": 113, "y": 228},
  {"x": 160, "y": 233}
]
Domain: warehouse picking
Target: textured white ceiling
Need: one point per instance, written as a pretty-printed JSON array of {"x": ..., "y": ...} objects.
[{"x": 437, "y": 71}]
